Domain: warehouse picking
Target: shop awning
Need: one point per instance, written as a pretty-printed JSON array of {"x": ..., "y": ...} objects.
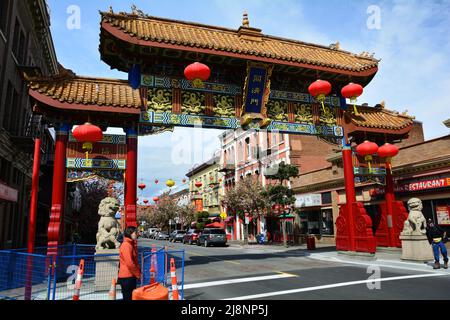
[{"x": 214, "y": 225}]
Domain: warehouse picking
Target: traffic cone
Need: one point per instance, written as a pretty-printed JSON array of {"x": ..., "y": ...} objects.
[
  {"x": 153, "y": 265},
  {"x": 79, "y": 280},
  {"x": 174, "y": 279},
  {"x": 112, "y": 291}
]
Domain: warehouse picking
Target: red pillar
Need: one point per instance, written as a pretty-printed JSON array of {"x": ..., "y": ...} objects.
[
  {"x": 58, "y": 189},
  {"x": 32, "y": 217},
  {"x": 350, "y": 194},
  {"x": 131, "y": 178},
  {"x": 34, "y": 195},
  {"x": 390, "y": 198}
]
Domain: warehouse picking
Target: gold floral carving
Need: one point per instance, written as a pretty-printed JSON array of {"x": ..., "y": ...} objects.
[
  {"x": 193, "y": 103},
  {"x": 277, "y": 110},
  {"x": 159, "y": 100},
  {"x": 303, "y": 114},
  {"x": 224, "y": 106},
  {"x": 328, "y": 116}
]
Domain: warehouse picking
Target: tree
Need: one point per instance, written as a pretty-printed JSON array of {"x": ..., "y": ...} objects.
[
  {"x": 202, "y": 219},
  {"x": 165, "y": 210},
  {"x": 186, "y": 213},
  {"x": 282, "y": 195},
  {"x": 247, "y": 197},
  {"x": 91, "y": 192}
]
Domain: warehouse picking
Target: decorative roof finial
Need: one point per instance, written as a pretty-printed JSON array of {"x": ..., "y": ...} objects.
[
  {"x": 383, "y": 104},
  {"x": 111, "y": 9},
  {"x": 335, "y": 46},
  {"x": 245, "y": 22}
]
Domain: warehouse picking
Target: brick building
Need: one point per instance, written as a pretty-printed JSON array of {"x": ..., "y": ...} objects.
[{"x": 26, "y": 47}]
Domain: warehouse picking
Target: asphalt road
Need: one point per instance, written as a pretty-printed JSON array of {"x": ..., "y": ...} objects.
[{"x": 249, "y": 274}]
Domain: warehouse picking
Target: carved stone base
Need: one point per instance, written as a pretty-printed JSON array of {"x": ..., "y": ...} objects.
[
  {"x": 416, "y": 248},
  {"x": 106, "y": 268}
]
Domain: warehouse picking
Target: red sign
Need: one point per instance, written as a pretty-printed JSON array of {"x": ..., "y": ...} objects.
[
  {"x": 8, "y": 193},
  {"x": 418, "y": 185}
]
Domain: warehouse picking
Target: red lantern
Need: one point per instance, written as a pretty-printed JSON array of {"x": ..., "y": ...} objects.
[
  {"x": 352, "y": 91},
  {"x": 156, "y": 199},
  {"x": 156, "y": 181},
  {"x": 141, "y": 186},
  {"x": 366, "y": 150},
  {"x": 88, "y": 134},
  {"x": 145, "y": 201},
  {"x": 198, "y": 184},
  {"x": 184, "y": 180},
  {"x": 220, "y": 179},
  {"x": 388, "y": 151},
  {"x": 319, "y": 89},
  {"x": 197, "y": 73}
]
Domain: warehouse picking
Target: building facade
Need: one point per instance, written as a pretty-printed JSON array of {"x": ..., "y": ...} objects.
[
  {"x": 26, "y": 48},
  {"x": 208, "y": 193},
  {"x": 321, "y": 192}
]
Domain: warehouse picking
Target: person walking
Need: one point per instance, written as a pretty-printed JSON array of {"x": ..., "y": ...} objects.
[
  {"x": 437, "y": 238},
  {"x": 129, "y": 270}
]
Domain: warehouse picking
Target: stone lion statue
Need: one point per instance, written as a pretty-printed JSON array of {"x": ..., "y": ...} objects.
[
  {"x": 108, "y": 227},
  {"x": 416, "y": 223}
]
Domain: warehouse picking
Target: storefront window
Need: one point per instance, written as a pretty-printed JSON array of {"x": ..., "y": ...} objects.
[{"x": 327, "y": 222}]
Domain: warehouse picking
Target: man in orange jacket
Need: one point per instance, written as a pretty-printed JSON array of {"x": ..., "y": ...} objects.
[{"x": 129, "y": 271}]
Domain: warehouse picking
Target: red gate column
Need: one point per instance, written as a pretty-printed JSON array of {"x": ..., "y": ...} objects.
[
  {"x": 350, "y": 195},
  {"x": 131, "y": 178},
  {"x": 390, "y": 198},
  {"x": 58, "y": 189}
]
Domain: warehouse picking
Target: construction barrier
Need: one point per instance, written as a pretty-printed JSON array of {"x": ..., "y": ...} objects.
[
  {"x": 55, "y": 277},
  {"x": 154, "y": 291}
]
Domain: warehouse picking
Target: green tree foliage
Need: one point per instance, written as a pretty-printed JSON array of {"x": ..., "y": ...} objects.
[
  {"x": 281, "y": 194},
  {"x": 202, "y": 219}
]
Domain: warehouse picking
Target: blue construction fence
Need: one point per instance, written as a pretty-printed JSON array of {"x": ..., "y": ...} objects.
[{"x": 39, "y": 276}]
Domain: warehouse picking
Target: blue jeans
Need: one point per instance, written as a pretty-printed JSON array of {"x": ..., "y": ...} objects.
[{"x": 436, "y": 247}]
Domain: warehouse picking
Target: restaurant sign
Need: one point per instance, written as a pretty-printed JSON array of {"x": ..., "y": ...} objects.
[{"x": 418, "y": 185}]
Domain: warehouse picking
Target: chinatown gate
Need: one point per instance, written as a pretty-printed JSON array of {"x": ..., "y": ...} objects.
[{"x": 257, "y": 82}]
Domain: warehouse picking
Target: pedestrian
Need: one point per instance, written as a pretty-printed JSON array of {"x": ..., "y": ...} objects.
[
  {"x": 437, "y": 238},
  {"x": 129, "y": 270}
]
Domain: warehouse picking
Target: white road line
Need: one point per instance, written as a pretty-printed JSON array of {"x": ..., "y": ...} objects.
[
  {"x": 329, "y": 286},
  {"x": 237, "y": 280},
  {"x": 385, "y": 264}
]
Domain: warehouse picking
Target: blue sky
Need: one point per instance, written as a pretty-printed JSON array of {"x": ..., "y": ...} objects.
[{"x": 412, "y": 40}]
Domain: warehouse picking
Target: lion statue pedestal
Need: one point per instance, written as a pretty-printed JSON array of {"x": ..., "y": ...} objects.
[
  {"x": 415, "y": 245},
  {"x": 107, "y": 248}
]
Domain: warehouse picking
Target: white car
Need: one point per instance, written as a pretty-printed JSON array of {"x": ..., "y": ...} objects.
[{"x": 152, "y": 232}]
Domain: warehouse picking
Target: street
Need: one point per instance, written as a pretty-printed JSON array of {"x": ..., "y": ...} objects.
[{"x": 232, "y": 272}]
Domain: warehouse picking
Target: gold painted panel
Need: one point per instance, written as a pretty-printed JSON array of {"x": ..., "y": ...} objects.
[
  {"x": 224, "y": 106},
  {"x": 327, "y": 116},
  {"x": 159, "y": 100},
  {"x": 303, "y": 113},
  {"x": 277, "y": 110},
  {"x": 193, "y": 103}
]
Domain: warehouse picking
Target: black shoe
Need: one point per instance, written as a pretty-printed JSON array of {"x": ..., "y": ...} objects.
[
  {"x": 445, "y": 264},
  {"x": 436, "y": 265}
]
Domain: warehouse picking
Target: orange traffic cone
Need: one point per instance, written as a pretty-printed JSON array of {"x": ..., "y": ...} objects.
[
  {"x": 112, "y": 291},
  {"x": 174, "y": 279},
  {"x": 79, "y": 280},
  {"x": 153, "y": 265}
]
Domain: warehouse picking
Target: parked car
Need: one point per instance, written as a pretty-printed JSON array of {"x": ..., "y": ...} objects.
[
  {"x": 177, "y": 235},
  {"x": 212, "y": 237},
  {"x": 162, "y": 235},
  {"x": 152, "y": 232},
  {"x": 191, "y": 236}
]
